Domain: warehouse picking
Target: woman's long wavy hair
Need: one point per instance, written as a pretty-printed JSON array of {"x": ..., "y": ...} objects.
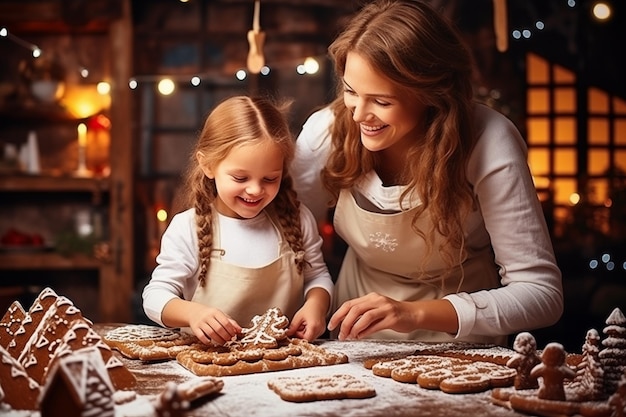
[
  {"x": 239, "y": 121},
  {"x": 421, "y": 53}
]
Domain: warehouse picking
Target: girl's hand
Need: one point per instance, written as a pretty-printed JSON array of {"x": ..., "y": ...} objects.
[
  {"x": 211, "y": 325},
  {"x": 360, "y": 317},
  {"x": 307, "y": 325}
]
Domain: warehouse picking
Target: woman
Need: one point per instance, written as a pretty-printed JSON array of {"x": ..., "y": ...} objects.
[{"x": 432, "y": 192}]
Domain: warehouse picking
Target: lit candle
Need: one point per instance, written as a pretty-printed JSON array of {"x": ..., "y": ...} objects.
[
  {"x": 82, "y": 135},
  {"x": 82, "y": 145}
]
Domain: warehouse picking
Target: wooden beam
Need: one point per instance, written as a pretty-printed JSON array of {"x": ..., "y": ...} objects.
[{"x": 117, "y": 282}]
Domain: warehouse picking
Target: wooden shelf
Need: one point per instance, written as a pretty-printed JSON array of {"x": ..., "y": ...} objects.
[
  {"x": 35, "y": 183},
  {"x": 114, "y": 194},
  {"x": 46, "y": 260},
  {"x": 37, "y": 114}
]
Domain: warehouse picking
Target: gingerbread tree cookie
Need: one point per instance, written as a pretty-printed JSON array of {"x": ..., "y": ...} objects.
[
  {"x": 613, "y": 356},
  {"x": 617, "y": 401},
  {"x": 266, "y": 330},
  {"x": 589, "y": 381}
]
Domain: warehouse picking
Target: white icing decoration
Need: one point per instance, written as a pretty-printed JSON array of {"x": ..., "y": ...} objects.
[
  {"x": 29, "y": 361},
  {"x": 114, "y": 362},
  {"x": 43, "y": 341},
  {"x": 18, "y": 372}
]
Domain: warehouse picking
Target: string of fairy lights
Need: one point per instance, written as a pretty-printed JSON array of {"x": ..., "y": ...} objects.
[{"x": 166, "y": 84}]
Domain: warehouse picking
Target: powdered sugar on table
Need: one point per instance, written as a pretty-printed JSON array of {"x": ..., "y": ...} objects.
[{"x": 249, "y": 395}]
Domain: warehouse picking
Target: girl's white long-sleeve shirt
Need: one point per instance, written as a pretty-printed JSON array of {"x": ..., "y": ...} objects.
[
  {"x": 531, "y": 295},
  {"x": 246, "y": 242}
]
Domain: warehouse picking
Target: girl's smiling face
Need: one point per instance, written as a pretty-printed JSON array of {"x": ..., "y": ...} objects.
[
  {"x": 247, "y": 180},
  {"x": 387, "y": 116}
]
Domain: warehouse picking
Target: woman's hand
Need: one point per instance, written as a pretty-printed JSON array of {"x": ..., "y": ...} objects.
[
  {"x": 360, "y": 317},
  {"x": 373, "y": 312}
]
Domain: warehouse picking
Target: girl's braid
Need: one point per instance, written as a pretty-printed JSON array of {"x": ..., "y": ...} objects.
[
  {"x": 204, "y": 221},
  {"x": 287, "y": 209}
]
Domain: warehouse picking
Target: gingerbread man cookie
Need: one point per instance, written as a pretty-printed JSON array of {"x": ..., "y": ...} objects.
[
  {"x": 553, "y": 370},
  {"x": 524, "y": 360}
]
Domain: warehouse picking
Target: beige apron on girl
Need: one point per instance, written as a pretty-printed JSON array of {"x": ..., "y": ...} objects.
[
  {"x": 243, "y": 292},
  {"x": 385, "y": 254}
]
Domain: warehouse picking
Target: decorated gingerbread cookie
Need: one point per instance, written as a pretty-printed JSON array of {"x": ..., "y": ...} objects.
[
  {"x": 320, "y": 387},
  {"x": 148, "y": 343},
  {"x": 448, "y": 374}
]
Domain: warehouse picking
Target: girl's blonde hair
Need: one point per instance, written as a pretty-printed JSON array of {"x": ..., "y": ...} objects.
[
  {"x": 238, "y": 121},
  {"x": 421, "y": 53}
]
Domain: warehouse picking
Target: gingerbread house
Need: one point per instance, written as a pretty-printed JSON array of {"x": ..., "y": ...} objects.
[{"x": 78, "y": 384}]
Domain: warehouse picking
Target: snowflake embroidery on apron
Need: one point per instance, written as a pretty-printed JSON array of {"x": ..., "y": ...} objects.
[{"x": 383, "y": 241}]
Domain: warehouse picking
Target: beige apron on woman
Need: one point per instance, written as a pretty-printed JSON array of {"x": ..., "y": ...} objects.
[
  {"x": 385, "y": 255},
  {"x": 244, "y": 292}
]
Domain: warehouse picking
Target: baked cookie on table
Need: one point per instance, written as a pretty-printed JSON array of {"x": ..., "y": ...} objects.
[
  {"x": 321, "y": 387},
  {"x": 149, "y": 343},
  {"x": 448, "y": 374},
  {"x": 261, "y": 347}
]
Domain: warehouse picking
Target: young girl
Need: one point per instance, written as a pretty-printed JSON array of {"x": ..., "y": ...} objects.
[
  {"x": 246, "y": 244},
  {"x": 432, "y": 192}
]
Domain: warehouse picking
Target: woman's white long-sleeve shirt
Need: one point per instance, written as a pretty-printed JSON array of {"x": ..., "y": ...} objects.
[
  {"x": 531, "y": 295},
  {"x": 246, "y": 242}
]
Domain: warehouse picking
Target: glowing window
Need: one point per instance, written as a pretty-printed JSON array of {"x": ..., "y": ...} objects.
[
  {"x": 538, "y": 100},
  {"x": 564, "y": 100},
  {"x": 620, "y": 160},
  {"x": 538, "y": 130},
  {"x": 598, "y": 130},
  {"x": 620, "y": 131},
  {"x": 619, "y": 105},
  {"x": 539, "y": 161},
  {"x": 598, "y": 161},
  {"x": 598, "y": 191},
  {"x": 598, "y": 101},
  {"x": 565, "y": 161},
  {"x": 563, "y": 189},
  {"x": 563, "y": 75},
  {"x": 565, "y": 130}
]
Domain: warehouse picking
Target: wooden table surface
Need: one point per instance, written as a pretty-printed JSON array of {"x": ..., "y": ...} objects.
[{"x": 248, "y": 395}]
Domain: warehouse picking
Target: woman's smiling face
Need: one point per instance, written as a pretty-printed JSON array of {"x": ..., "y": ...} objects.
[
  {"x": 387, "y": 116},
  {"x": 248, "y": 179}
]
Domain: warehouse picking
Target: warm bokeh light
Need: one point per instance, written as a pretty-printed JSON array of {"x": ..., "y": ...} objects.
[
  {"x": 84, "y": 100},
  {"x": 103, "y": 88},
  {"x": 166, "y": 86},
  {"x": 311, "y": 66},
  {"x": 574, "y": 199},
  {"x": 161, "y": 215},
  {"x": 601, "y": 11}
]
